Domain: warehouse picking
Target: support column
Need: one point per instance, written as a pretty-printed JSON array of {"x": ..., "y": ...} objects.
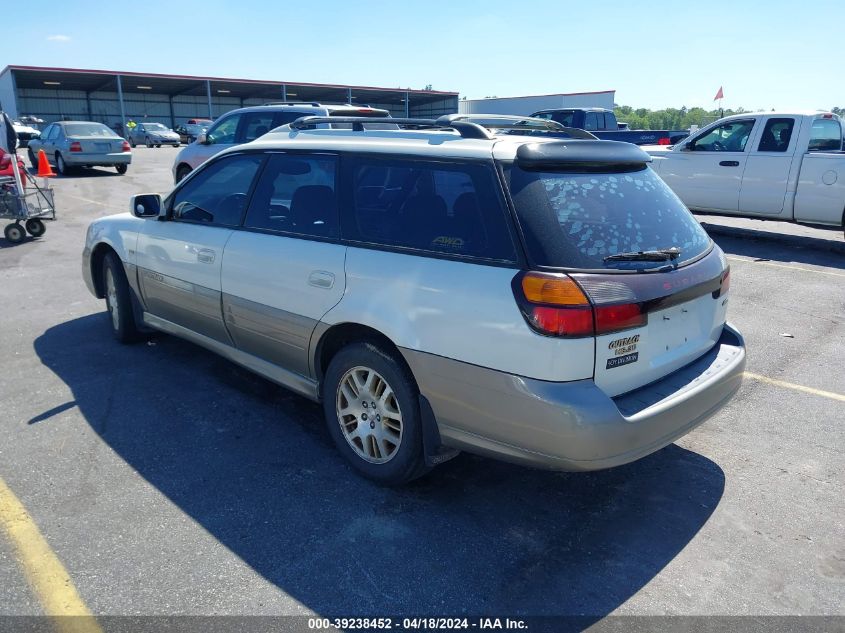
[
  {"x": 407, "y": 105},
  {"x": 349, "y": 95},
  {"x": 12, "y": 108},
  {"x": 88, "y": 106},
  {"x": 172, "y": 118},
  {"x": 208, "y": 93},
  {"x": 284, "y": 92},
  {"x": 122, "y": 109}
]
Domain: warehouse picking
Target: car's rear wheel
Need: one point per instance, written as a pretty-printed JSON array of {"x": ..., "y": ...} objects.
[
  {"x": 61, "y": 166},
  {"x": 35, "y": 227},
  {"x": 181, "y": 172},
  {"x": 121, "y": 169},
  {"x": 118, "y": 300},
  {"x": 148, "y": 142},
  {"x": 371, "y": 406}
]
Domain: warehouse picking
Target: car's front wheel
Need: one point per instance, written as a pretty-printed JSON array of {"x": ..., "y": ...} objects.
[
  {"x": 118, "y": 300},
  {"x": 371, "y": 405}
]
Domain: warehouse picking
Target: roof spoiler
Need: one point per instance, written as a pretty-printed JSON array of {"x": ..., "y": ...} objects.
[{"x": 582, "y": 156}]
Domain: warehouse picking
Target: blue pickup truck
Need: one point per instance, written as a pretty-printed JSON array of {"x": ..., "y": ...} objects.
[{"x": 602, "y": 123}]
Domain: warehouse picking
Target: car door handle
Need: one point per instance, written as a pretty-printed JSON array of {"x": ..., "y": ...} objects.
[
  {"x": 729, "y": 163},
  {"x": 206, "y": 256},
  {"x": 321, "y": 279}
]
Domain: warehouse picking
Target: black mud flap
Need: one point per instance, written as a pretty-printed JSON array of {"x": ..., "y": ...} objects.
[{"x": 435, "y": 452}]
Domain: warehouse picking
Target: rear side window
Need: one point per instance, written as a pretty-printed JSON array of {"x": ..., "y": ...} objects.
[
  {"x": 218, "y": 192},
  {"x": 825, "y": 136},
  {"x": 444, "y": 208},
  {"x": 575, "y": 220},
  {"x": 591, "y": 121},
  {"x": 776, "y": 135},
  {"x": 296, "y": 194}
]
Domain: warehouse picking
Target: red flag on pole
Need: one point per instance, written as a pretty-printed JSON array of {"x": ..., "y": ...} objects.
[{"x": 719, "y": 95}]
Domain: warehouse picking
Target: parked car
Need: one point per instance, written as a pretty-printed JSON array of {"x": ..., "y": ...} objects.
[
  {"x": 770, "y": 165},
  {"x": 603, "y": 124},
  {"x": 190, "y": 131},
  {"x": 382, "y": 273},
  {"x": 153, "y": 135},
  {"x": 247, "y": 124},
  {"x": 70, "y": 144},
  {"x": 25, "y": 133}
]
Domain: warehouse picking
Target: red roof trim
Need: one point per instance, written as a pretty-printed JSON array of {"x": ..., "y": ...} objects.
[{"x": 226, "y": 79}]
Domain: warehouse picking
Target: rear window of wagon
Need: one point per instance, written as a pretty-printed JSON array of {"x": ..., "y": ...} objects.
[{"x": 576, "y": 220}]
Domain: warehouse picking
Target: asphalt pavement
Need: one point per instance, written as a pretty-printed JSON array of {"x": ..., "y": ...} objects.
[{"x": 169, "y": 481}]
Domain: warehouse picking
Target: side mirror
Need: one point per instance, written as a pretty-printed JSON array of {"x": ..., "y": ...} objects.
[
  {"x": 145, "y": 205},
  {"x": 203, "y": 139}
]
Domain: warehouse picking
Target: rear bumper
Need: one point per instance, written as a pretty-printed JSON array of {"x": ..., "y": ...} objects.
[
  {"x": 99, "y": 160},
  {"x": 574, "y": 425}
]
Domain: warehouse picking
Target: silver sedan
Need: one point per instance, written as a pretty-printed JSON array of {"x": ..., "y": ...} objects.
[
  {"x": 153, "y": 135},
  {"x": 70, "y": 144}
]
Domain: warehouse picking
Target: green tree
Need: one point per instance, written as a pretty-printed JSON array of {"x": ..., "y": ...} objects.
[{"x": 669, "y": 118}]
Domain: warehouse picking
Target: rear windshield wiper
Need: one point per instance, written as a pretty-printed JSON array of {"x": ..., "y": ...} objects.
[{"x": 662, "y": 255}]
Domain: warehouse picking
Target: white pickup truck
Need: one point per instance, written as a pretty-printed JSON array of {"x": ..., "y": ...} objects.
[{"x": 778, "y": 166}]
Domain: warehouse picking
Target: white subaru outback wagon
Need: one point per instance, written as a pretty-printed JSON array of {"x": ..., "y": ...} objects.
[{"x": 439, "y": 288}]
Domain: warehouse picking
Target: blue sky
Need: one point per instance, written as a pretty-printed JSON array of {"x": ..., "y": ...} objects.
[{"x": 655, "y": 54}]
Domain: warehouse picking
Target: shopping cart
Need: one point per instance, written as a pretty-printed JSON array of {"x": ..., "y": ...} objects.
[{"x": 27, "y": 207}]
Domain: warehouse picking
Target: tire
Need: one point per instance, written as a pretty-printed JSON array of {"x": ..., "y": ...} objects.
[
  {"x": 33, "y": 159},
  {"x": 158, "y": 145},
  {"x": 35, "y": 227},
  {"x": 61, "y": 166},
  {"x": 385, "y": 446},
  {"x": 121, "y": 169},
  {"x": 148, "y": 142},
  {"x": 118, "y": 300},
  {"x": 14, "y": 233},
  {"x": 131, "y": 142},
  {"x": 176, "y": 144},
  {"x": 181, "y": 172}
]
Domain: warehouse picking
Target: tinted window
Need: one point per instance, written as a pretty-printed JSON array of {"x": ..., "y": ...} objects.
[
  {"x": 253, "y": 125},
  {"x": 610, "y": 121},
  {"x": 776, "y": 135},
  {"x": 591, "y": 121},
  {"x": 728, "y": 137},
  {"x": 217, "y": 193},
  {"x": 825, "y": 135},
  {"x": 224, "y": 131},
  {"x": 438, "y": 207},
  {"x": 575, "y": 220},
  {"x": 564, "y": 117},
  {"x": 296, "y": 193}
]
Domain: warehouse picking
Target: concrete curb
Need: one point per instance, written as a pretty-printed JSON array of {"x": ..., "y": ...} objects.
[{"x": 800, "y": 241}]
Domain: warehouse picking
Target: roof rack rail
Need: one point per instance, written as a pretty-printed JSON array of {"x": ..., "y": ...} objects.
[
  {"x": 517, "y": 123},
  {"x": 293, "y": 103},
  {"x": 465, "y": 128}
]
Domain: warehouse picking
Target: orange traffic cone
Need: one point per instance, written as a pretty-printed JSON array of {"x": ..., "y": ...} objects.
[{"x": 44, "y": 169}]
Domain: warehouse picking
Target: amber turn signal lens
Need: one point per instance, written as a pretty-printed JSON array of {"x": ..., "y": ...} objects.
[{"x": 553, "y": 289}]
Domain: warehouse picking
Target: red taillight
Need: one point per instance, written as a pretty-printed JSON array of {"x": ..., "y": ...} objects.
[
  {"x": 618, "y": 317},
  {"x": 664, "y": 141},
  {"x": 555, "y": 305},
  {"x": 726, "y": 282},
  {"x": 827, "y": 116},
  {"x": 126, "y": 147},
  {"x": 562, "y": 321},
  {"x": 76, "y": 146}
]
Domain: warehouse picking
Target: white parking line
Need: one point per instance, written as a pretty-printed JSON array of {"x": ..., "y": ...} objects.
[{"x": 801, "y": 268}]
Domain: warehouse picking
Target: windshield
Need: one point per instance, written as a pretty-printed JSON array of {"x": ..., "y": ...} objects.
[
  {"x": 155, "y": 127},
  {"x": 88, "y": 129},
  {"x": 577, "y": 220}
]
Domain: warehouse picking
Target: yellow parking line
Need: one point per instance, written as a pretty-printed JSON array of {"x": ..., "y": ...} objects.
[
  {"x": 791, "y": 385},
  {"x": 45, "y": 573},
  {"x": 801, "y": 268}
]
